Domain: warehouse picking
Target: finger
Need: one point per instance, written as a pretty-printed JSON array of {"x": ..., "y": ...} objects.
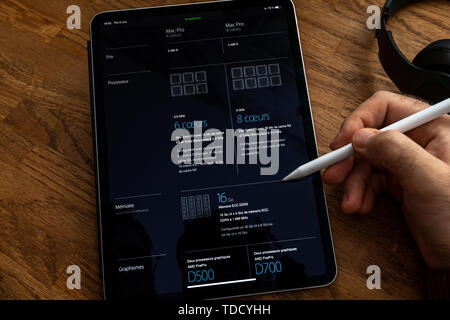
[
  {"x": 381, "y": 109},
  {"x": 373, "y": 188},
  {"x": 338, "y": 172},
  {"x": 426, "y": 133},
  {"x": 355, "y": 186},
  {"x": 396, "y": 153},
  {"x": 439, "y": 144},
  {"x": 344, "y": 136}
]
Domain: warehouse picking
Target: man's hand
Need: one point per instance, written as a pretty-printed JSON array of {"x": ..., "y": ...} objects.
[{"x": 414, "y": 168}]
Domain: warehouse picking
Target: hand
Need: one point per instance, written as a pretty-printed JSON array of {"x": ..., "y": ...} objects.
[{"x": 414, "y": 168}]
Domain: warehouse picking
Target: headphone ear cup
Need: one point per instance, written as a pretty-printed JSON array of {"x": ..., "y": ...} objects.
[{"x": 435, "y": 57}]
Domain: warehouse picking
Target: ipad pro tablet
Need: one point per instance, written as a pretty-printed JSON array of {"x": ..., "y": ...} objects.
[{"x": 199, "y": 111}]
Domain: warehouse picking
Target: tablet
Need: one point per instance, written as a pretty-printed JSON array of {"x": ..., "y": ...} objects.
[{"x": 199, "y": 111}]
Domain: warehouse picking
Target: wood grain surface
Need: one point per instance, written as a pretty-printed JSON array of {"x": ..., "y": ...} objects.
[{"x": 47, "y": 193}]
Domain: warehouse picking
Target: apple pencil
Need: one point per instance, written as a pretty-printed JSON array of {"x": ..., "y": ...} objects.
[{"x": 413, "y": 121}]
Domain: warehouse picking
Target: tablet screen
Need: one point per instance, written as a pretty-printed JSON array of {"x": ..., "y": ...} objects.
[{"x": 200, "y": 111}]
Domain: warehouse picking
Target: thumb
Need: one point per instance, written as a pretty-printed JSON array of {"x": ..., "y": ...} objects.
[{"x": 394, "y": 152}]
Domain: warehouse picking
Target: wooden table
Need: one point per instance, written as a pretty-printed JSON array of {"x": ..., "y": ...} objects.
[{"x": 47, "y": 194}]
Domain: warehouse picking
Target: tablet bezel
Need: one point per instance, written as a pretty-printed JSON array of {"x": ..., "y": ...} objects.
[{"x": 105, "y": 220}]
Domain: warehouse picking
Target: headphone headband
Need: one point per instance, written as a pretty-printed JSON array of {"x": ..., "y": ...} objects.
[
  {"x": 392, "y": 6},
  {"x": 428, "y": 84}
]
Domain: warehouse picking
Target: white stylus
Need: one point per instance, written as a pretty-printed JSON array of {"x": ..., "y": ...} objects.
[{"x": 413, "y": 121}]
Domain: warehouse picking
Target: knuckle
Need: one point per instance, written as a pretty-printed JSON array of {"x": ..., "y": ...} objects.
[
  {"x": 442, "y": 130},
  {"x": 350, "y": 125},
  {"x": 381, "y": 94}
]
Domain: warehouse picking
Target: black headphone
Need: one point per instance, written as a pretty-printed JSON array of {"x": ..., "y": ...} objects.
[{"x": 428, "y": 75}]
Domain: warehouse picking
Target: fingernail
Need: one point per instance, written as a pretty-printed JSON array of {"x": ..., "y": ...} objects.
[
  {"x": 361, "y": 137},
  {"x": 333, "y": 142}
]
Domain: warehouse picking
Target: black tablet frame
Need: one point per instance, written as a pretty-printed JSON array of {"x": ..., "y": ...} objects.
[{"x": 104, "y": 210}]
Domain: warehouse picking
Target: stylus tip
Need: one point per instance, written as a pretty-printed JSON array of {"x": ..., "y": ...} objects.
[
  {"x": 298, "y": 173},
  {"x": 290, "y": 176}
]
